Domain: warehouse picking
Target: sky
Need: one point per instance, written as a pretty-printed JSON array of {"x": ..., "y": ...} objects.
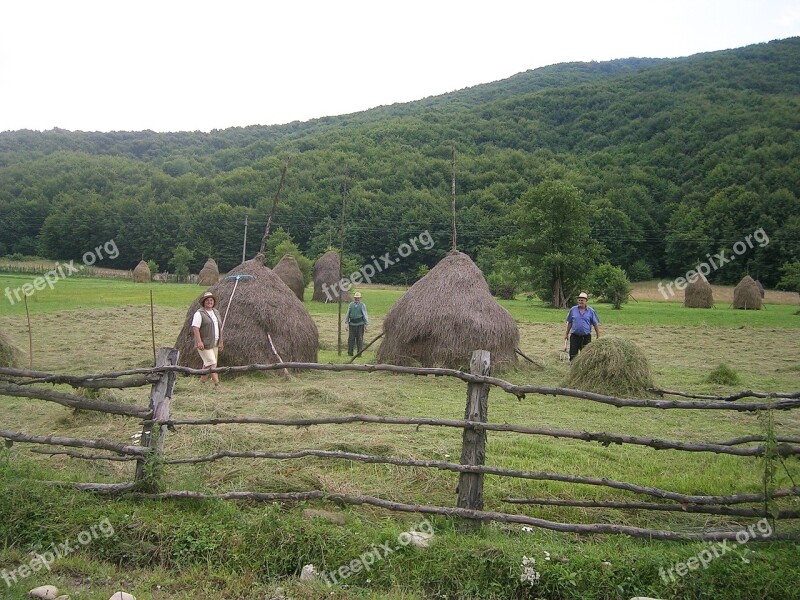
[{"x": 175, "y": 65}]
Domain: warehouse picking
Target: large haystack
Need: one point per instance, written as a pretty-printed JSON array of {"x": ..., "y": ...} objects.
[
  {"x": 209, "y": 274},
  {"x": 9, "y": 355},
  {"x": 611, "y": 365},
  {"x": 698, "y": 294},
  {"x": 261, "y": 306},
  {"x": 447, "y": 315},
  {"x": 746, "y": 295},
  {"x": 289, "y": 272},
  {"x": 326, "y": 277},
  {"x": 141, "y": 274}
]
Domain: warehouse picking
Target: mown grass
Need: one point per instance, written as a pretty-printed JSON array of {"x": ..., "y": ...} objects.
[{"x": 245, "y": 550}]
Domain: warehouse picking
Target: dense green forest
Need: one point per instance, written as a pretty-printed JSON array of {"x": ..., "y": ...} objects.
[{"x": 672, "y": 160}]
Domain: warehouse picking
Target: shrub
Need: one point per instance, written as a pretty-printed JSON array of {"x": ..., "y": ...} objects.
[
  {"x": 640, "y": 271},
  {"x": 610, "y": 284}
]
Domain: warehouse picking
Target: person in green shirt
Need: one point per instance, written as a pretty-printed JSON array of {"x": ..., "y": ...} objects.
[{"x": 356, "y": 321}]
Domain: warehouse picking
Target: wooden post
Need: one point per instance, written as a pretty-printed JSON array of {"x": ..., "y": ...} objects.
[
  {"x": 160, "y": 402},
  {"x": 473, "y": 449}
]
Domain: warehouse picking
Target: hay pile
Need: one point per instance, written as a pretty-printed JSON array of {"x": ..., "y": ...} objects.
[
  {"x": 447, "y": 315},
  {"x": 760, "y": 288},
  {"x": 698, "y": 294},
  {"x": 326, "y": 272},
  {"x": 209, "y": 274},
  {"x": 141, "y": 274},
  {"x": 289, "y": 272},
  {"x": 611, "y": 365},
  {"x": 9, "y": 354},
  {"x": 746, "y": 295},
  {"x": 261, "y": 306}
]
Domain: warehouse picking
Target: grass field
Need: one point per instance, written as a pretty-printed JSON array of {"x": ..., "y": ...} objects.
[{"x": 225, "y": 550}]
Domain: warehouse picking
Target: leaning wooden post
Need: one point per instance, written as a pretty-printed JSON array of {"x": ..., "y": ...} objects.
[
  {"x": 160, "y": 400},
  {"x": 473, "y": 448}
]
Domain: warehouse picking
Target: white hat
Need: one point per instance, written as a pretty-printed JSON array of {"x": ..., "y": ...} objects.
[
  {"x": 357, "y": 295},
  {"x": 583, "y": 295}
]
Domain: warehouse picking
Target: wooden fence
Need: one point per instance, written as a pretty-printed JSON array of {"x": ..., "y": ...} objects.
[{"x": 157, "y": 420}]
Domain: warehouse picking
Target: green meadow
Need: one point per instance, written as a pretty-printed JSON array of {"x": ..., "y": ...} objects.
[{"x": 175, "y": 549}]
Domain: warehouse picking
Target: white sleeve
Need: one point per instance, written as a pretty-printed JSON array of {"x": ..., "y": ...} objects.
[{"x": 197, "y": 320}]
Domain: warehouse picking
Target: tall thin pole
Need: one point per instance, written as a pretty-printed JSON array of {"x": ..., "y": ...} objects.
[
  {"x": 274, "y": 206},
  {"x": 341, "y": 256},
  {"x": 153, "y": 327},
  {"x": 30, "y": 334},
  {"x": 244, "y": 244},
  {"x": 453, "y": 190}
]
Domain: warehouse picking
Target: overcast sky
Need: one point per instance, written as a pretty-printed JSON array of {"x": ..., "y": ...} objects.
[{"x": 175, "y": 65}]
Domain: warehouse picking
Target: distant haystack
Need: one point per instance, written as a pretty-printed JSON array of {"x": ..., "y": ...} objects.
[
  {"x": 326, "y": 277},
  {"x": 447, "y": 315},
  {"x": 746, "y": 295},
  {"x": 262, "y": 306},
  {"x": 209, "y": 274},
  {"x": 9, "y": 355},
  {"x": 289, "y": 272},
  {"x": 698, "y": 294},
  {"x": 141, "y": 274},
  {"x": 760, "y": 288}
]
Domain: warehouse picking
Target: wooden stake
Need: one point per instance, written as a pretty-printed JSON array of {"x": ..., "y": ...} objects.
[
  {"x": 453, "y": 190},
  {"x": 365, "y": 348},
  {"x": 274, "y": 206},
  {"x": 341, "y": 257},
  {"x": 30, "y": 334},
  {"x": 152, "y": 327},
  {"x": 272, "y": 345}
]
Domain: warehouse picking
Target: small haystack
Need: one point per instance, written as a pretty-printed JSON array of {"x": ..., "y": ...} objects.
[
  {"x": 698, "y": 294},
  {"x": 326, "y": 278},
  {"x": 141, "y": 274},
  {"x": 261, "y": 306},
  {"x": 289, "y": 272},
  {"x": 611, "y": 365},
  {"x": 760, "y": 288},
  {"x": 209, "y": 274},
  {"x": 447, "y": 315},
  {"x": 9, "y": 354},
  {"x": 746, "y": 295}
]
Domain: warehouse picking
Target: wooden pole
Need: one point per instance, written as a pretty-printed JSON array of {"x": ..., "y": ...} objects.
[
  {"x": 160, "y": 401},
  {"x": 473, "y": 449},
  {"x": 152, "y": 327},
  {"x": 274, "y": 206},
  {"x": 341, "y": 257},
  {"x": 244, "y": 243},
  {"x": 453, "y": 190},
  {"x": 380, "y": 335},
  {"x": 30, "y": 333}
]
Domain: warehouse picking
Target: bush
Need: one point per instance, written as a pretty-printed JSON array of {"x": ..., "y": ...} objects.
[
  {"x": 722, "y": 374},
  {"x": 610, "y": 284},
  {"x": 502, "y": 286},
  {"x": 640, "y": 271}
]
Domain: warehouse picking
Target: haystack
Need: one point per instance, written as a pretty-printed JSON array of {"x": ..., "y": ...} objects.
[
  {"x": 326, "y": 273},
  {"x": 746, "y": 295},
  {"x": 698, "y": 294},
  {"x": 289, "y": 272},
  {"x": 141, "y": 274},
  {"x": 447, "y": 315},
  {"x": 760, "y": 288},
  {"x": 611, "y": 365},
  {"x": 261, "y": 306},
  {"x": 209, "y": 274},
  {"x": 9, "y": 355}
]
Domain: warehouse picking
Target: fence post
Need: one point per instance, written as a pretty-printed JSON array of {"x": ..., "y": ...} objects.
[
  {"x": 473, "y": 448},
  {"x": 160, "y": 401}
]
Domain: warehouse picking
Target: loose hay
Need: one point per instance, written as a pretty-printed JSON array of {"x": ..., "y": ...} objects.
[
  {"x": 262, "y": 306},
  {"x": 746, "y": 295},
  {"x": 141, "y": 274},
  {"x": 447, "y": 315},
  {"x": 698, "y": 294},
  {"x": 289, "y": 272},
  {"x": 9, "y": 354},
  {"x": 611, "y": 365},
  {"x": 326, "y": 273},
  {"x": 209, "y": 274}
]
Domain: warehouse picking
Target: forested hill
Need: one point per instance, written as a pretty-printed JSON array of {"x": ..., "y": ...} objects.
[{"x": 674, "y": 158}]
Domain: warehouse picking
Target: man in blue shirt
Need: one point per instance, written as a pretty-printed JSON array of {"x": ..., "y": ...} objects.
[{"x": 580, "y": 321}]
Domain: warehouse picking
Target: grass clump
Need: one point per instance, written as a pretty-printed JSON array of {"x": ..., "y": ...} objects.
[
  {"x": 611, "y": 365},
  {"x": 722, "y": 374}
]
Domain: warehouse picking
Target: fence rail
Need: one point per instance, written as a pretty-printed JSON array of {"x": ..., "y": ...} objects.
[{"x": 157, "y": 421}]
